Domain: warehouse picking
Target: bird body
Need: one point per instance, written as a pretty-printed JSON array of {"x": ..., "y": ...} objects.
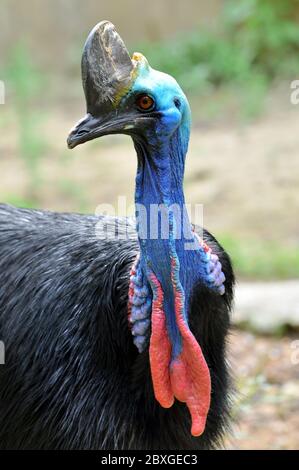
[
  {"x": 73, "y": 378},
  {"x": 73, "y": 306}
]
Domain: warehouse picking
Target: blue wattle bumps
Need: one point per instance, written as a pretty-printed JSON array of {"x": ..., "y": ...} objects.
[
  {"x": 140, "y": 293},
  {"x": 140, "y": 307},
  {"x": 215, "y": 277}
]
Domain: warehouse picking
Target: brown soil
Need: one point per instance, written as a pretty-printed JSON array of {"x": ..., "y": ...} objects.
[{"x": 266, "y": 410}]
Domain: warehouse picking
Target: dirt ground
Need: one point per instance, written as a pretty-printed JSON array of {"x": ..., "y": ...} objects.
[{"x": 266, "y": 410}]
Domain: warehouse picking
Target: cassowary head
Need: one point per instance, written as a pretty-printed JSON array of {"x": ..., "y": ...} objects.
[{"x": 124, "y": 95}]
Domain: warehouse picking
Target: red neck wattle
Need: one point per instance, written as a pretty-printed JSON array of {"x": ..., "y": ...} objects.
[{"x": 186, "y": 377}]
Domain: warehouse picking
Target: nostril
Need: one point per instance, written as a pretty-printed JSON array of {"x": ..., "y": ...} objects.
[{"x": 82, "y": 132}]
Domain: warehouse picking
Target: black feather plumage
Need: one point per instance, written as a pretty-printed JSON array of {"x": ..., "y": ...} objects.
[{"x": 73, "y": 378}]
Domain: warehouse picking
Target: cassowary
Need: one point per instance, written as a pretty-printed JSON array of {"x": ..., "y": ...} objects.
[{"x": 115, "y": 336}]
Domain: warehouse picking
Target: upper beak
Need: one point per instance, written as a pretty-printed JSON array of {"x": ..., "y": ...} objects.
[
  {"x": 91, "y": 127},
  {"x": 106, "y": 75}
]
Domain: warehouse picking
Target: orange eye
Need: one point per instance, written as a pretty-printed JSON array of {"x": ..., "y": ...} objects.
[{"x": 145, "y": 103}]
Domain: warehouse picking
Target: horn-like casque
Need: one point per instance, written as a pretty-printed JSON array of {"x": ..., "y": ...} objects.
[{"x": 106, "y": 67}]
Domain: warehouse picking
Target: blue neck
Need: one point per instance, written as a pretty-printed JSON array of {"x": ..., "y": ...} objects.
[{"x": 159, "y": 181}]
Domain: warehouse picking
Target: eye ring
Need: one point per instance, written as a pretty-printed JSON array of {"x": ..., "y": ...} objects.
[{"x": 145, "y": 102}]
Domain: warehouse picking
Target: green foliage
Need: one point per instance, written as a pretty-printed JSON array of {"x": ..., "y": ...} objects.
[
  {"x": 266, "y": 32},
  {"x": 23, "y": 77},
  {"x": 25, "y": 83},
  {"x": 254, "y": 42},
  {"x": 262, "y": 259},
  {"x": 18, "y": 201}
]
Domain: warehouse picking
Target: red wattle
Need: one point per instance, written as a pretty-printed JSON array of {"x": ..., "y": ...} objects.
[
  {"x": 187, "y": 377},
  {"x": 190, "y": 382},
  {"x": 189, "y": 372},
  {"x": 160, "y": 350}
]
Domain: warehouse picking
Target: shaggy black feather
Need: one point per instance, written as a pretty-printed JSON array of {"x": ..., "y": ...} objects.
[{"x": 73, "y": 378}]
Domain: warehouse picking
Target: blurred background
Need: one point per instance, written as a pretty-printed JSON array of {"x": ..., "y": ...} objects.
[{"x": 236, "y": 61}]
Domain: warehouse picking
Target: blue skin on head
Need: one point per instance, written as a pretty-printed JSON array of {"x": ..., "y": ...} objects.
[{"x": 170, "y": 101}]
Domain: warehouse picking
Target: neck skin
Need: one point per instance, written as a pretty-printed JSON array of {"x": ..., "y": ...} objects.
[{"x": 159, "y": 181}]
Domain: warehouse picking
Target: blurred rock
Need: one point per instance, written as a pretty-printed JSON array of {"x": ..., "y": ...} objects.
[{"x": 266, "y": 307}]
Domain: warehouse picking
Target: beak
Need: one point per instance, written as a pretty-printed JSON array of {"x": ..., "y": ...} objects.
[
  {"x": 91, "y": 127},
  {"x": 107, "y": 74}
]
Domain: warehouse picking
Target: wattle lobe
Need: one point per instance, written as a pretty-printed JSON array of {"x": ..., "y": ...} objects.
[{"x": 185, "y": 377}]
